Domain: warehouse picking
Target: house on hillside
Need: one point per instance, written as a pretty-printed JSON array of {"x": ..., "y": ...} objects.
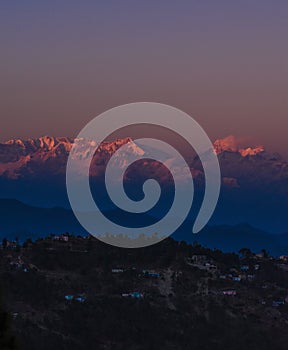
[
  {"x": 198, "y": 259},
  {"x": 134, "y": 295},
  {"x": 16, "y": 264},
  {"x": 210, "y": 266},
  {"x": 11, "y": 244},
  {"x": 202, "y": 262},
  {"x": 152, "y": 274},
  {"x": 231, "y": 292},
  {"x": 81, "y": 299},
  {"x": 277, "y": 303},
  {"x": 236, "y": 278},
  {"x": 63, "y": 238},
  {"x": 251, "y": 277}
]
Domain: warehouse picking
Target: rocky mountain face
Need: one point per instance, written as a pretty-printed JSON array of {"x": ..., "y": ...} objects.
[
  {"x": 255, "y": 182},
  {"x": 232, "y": 144},
  {"x": 20, "y": 158}
]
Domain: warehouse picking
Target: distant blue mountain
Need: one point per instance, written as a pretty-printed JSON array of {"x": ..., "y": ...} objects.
[
  {"x": 23, "y": 221},
  {"x": 254, "y": 181},
  {"x": 233, "y": 238}
]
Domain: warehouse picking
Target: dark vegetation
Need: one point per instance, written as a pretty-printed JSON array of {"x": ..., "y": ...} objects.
[
  {"x": 7, "y": 340},
  {"x": 180, "y": 305}
]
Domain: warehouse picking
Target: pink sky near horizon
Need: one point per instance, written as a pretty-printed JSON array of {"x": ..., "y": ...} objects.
[{"x": 224, "y": 63}]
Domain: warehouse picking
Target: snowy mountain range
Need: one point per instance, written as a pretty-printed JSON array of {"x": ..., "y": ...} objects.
[
  {"x": 20, "y": 158},
  {"x": 255, "y": 182},
  {"x": 47, "y": 156}
]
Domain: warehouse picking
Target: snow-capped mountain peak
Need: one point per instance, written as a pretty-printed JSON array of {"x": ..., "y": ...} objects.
[{"x": 234, "y": 144}]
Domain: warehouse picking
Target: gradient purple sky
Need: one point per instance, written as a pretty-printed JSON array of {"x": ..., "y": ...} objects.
[{"x": 223, "y": 62}]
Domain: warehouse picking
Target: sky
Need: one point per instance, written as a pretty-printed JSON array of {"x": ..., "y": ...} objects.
[{"x": 223, "y": 62}]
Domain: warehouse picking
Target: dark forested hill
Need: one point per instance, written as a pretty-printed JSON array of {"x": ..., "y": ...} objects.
[{"x": 75, "y": 293}]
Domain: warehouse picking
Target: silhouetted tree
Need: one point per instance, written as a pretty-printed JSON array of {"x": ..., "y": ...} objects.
[
  {"x": 246, "y": 253},
  {"x": 265, "y": 253},
  {"x": 4, "y": 243},
  {"x": 7, "y": 341}
]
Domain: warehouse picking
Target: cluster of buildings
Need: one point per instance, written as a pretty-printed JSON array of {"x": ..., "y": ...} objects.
[
  {"x": 236, "y": 274},
  {"x": 143, "y": 273},
  {"x": 134, "y": 295},
  {"x": 202, "y": 262},
  {"x": 229, "y": 292},
  {"x": 18, "y": 264},
  {"x": 237, "y": 277},
  {"x": 61, "y": 238},
  {"x": 9, "y": 244},
  {"x": 152, "y": 274},
  {"x": 80, "y": 298},
  {"x": 244, "y": 272}
]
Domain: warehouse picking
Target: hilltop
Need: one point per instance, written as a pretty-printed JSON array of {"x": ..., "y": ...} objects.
[{"x": 70, "y": 292}]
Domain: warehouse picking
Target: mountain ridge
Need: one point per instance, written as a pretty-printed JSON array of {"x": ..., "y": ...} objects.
[
  {"x": 33, "y": 222},
  {"x": 254, "y": 181}
]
